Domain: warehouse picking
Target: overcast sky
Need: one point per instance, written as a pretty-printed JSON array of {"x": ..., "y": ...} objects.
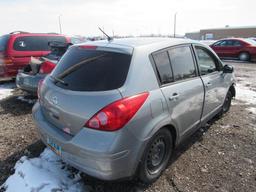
[{"x": 124, "y": 17}]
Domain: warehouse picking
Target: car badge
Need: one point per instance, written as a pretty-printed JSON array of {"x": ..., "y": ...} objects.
[{"x": 55, "y": 100}]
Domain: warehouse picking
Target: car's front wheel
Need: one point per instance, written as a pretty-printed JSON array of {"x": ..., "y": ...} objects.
[{"x": 156, "y": 156}]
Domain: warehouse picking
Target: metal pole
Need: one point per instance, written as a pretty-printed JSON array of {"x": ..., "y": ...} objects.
[
  {"x": 60, "y": 25},
  {"x": 174, "y": 30}
]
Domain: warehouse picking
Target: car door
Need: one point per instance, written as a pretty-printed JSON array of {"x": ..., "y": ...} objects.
[
  {"x": 210, "y": 69},
  {"x": 219, "y": 47},
  {"x": 181, "y": 86},
  {"x": 237, "y": 48},
  {"x": 224, "y": 48}
]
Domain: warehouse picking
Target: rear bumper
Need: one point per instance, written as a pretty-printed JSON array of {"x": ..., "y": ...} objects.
[
  {"x": 28, "y": 82},
  {"x": 92, "y": 151}
]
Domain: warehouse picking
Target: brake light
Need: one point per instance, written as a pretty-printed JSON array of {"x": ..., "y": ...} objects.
[
  {"x": 88, "y": 47},
  {"x": 115, "y": 115},
  {"x": 40, "y": 83},
  {"x": 46, "y": 67}
]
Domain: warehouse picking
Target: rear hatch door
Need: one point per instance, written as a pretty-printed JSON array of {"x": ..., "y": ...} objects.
[{"x": 84, "y": 81}]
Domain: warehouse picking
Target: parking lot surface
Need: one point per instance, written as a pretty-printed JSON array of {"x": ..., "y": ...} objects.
[{"x": 218, "y": 157}]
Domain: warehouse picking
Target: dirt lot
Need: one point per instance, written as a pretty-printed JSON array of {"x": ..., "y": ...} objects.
[{"x": 219, "y": 157}]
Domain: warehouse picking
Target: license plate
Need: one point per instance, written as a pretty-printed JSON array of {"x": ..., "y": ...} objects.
[{"x": 54, "y": 147}]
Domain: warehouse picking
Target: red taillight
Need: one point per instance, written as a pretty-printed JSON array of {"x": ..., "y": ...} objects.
[
  {"x": 6, "y": 61},
  {"x": 46, "y": 67},
  {"x": 115, "y": 115},
  {"x": 40, "y": 83}
]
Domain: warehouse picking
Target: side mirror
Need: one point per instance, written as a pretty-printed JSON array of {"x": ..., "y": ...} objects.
[{"x": 228, "y": 69}]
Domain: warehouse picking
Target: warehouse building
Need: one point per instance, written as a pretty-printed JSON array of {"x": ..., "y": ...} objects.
[{"x": 219, "y": 33}]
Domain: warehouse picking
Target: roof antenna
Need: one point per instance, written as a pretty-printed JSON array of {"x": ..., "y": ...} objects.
[{"x": 108, "y": 37}]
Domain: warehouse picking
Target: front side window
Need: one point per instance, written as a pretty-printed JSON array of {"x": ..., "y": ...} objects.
[
  {"x": 182, "y": 63},
  {"x": 206, "y": 62},
  {"x": 163, "y": 67}
]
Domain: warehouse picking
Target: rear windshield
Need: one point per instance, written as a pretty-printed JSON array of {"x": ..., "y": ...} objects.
[
  {"x": 91, "y": 70},
  {"x": 36, "y": 43},
  {"x": 250, "y": 41},
  {"x": 3, "y": 42}
]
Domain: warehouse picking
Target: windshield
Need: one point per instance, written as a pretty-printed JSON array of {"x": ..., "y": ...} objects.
[
  {"x": 3, "y": 42},
  {"x": 91, "y": 70}
]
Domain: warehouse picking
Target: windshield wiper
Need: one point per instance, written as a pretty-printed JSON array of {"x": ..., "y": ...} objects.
[
  {"x": 56, "y": 79},
  {"x": 77, "y": 66}
]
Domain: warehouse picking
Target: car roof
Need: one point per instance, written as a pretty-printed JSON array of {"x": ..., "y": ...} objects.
[
  {"x": 150, "y": 43},
  {"x": 232, "y": 38},
  {"x": 142, "y": 41}
]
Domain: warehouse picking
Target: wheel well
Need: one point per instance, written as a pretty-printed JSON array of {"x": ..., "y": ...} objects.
[
  {"x": 232, "y": 90},
  {"x": 173, "y": 133}
]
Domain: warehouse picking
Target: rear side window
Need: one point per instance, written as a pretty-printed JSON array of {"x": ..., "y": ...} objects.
[
  {"x": 163, "y": 67},
  {"x": 92, "y": 70},
  {"x": 35, "y": 43},
  {"x": 3, "y": 42},
  {"x": 182, "y": 63}
]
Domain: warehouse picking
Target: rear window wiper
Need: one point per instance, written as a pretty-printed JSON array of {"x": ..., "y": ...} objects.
[
  {"x": 56, "y": 79},
  {"x": 77, "y": 65}
]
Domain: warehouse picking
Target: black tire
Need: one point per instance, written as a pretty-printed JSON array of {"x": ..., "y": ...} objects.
[
  {"x": 227, "y": 103},
  {"x": 156, "y": 156},
  {"x": 244, "y": 56}
]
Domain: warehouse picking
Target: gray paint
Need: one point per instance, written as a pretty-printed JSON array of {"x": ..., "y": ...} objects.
[{"x": 115, "y": 155}]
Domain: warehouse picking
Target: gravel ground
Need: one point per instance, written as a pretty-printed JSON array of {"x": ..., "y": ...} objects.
[{"x": 218, "y": 157}]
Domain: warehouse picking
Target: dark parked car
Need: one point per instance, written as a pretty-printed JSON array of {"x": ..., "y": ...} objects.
[
  {"x": 17, "y": 48},
  {"x": 238, "y": 48},
  {"x": 27, "y": 79}
]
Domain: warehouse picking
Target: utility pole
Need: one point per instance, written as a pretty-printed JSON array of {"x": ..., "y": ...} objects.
[
  {"x": 174, "y": 27},
  {"x": 60, "y": 25}
]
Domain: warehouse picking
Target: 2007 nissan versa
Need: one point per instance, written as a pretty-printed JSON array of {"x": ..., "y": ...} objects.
[{"x": 117, "y": 109}]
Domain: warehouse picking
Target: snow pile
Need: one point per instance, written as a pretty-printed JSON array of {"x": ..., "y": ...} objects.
[
  {"x": 245, "y": 94},
  {"x": 45, "y": 173},
  {"x": 252, "y": 110},
  {"x": 6, "y": 90}
]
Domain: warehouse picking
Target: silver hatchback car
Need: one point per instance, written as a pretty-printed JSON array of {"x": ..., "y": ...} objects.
[{"x": 117, "y": 109}]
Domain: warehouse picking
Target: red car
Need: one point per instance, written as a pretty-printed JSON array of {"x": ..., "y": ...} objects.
[
  {"x": 239, "y": 48},
  {"x": 17, "y": 48}
]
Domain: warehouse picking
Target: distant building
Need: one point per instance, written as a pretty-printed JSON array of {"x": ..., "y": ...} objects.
[{"x": 219, "y": 33}]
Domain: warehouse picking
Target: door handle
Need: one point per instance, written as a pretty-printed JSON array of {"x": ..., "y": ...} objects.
[
  {"x": 208, "y": 84},
  {"x": 174, "y": 96}
]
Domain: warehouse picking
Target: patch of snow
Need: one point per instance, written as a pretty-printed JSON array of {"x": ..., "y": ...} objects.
[
  {"x": 30, "y": 101},
  {"x": 245, "y": 94},
  {"x": 6, "y": 90},
  {"x": 45, "y": 173},
  {"x": 252, "y": 109},
  {"x": 225, "y": 126}
]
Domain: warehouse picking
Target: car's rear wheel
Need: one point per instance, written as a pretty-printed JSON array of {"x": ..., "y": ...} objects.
[
  {"x": 156, "y": 156},
  {"x": 244, "y": 56}
]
